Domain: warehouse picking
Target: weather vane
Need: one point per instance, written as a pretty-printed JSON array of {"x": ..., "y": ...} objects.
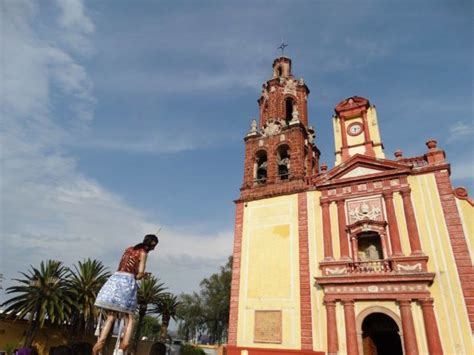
[{"x": 282, "y": 46}]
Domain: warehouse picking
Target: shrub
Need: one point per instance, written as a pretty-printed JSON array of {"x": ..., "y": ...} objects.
[{"x": 188, "y": 349}]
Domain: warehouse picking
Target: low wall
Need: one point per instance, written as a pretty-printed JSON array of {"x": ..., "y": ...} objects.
[{"x": 12, "y": 333}]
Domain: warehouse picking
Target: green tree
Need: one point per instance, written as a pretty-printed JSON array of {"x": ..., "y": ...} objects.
[
  {"x": 151, "y": 328},
  {"x": 149, "y": 292},
  {"x": 42, "y": 294},
  {"x": 85, "y": 281},
  {"x": 167, "y": 306},
  {"x": 190, "y": 314},
  {"x": 215, "y": 294},
  {"x": 208, "y": 311}
]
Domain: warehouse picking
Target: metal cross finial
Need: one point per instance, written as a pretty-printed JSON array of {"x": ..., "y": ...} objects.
[{"x": 282, "y": 46}]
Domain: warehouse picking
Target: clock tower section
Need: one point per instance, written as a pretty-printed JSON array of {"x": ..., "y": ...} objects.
[
  {"x": 356, "y": 130},
  {"x": 280, "y": 150}
]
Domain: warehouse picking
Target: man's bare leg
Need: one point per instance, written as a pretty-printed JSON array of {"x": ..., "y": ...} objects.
[
  {"x": 129, "y": 324},
  {"x": 104, "y": 333}
]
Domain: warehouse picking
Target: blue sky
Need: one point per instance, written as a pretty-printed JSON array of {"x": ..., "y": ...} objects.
[{"x": 120, "y": 117}]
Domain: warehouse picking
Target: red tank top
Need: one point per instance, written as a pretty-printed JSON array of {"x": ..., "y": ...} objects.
[{"x": 130, "y": 260}]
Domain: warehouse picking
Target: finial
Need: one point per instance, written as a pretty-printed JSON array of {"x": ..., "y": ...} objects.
[
  {"x": 282, "y": 47},
  {"x": 253, "y": 126}
]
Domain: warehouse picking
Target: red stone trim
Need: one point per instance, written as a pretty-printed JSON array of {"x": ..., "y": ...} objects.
[
  {"x": 462, "y": 194},
  {"x": 431, "y": 327},
  {"x": 235, "y": 283},
  {"x": 305, "y": 279},
  {"x": 236, "y": 350},
  {"x": 458, "y": 241}
]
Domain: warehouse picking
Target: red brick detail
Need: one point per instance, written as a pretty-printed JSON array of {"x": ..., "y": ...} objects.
[
  {"x": 305, "y": 280},
  {"x": 458, "y": 240},
  {"x": 343, "y": 240},
  {"x": 234, "y": 350},
  {"x": 461, "y": 193},
  {"x": 235, "y": 283},
  {"x": 409, "y": 335},
  {"x": 351, "y": 332},
  {"x": 431, "y": 327}
]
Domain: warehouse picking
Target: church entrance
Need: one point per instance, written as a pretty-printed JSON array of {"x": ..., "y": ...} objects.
[{"x": 380, "y": 335}]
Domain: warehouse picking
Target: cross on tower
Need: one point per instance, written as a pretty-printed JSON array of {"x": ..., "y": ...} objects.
[{"x": 282, "y": 47}]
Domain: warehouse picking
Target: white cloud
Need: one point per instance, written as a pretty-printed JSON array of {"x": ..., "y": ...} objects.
[
  {"x": 460, "y": 130},
  {"x": 49, "y": 209}
]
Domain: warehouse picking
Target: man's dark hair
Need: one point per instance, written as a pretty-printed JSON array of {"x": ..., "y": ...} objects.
[{"x": 148, "y": 241}]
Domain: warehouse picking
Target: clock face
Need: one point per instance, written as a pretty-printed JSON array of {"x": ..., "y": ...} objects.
[{"x": 354, "y": 129}]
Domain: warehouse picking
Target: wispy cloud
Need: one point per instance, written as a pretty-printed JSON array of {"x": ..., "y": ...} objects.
[
  {"x": 461, "y": 130},
  {"x": 49, "y": 208}
]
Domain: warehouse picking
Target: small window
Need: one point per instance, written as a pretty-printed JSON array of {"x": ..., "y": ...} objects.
[
  {"x": 279, "y": 71},
  {"x": 283, "y": 161},
  {"x": 369, "y": 247},
  {"x": 260, "y": 168}
]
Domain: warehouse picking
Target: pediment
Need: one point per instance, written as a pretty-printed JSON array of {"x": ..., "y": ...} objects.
[
  {"x": 362, "y": 167},
  {"x": 360, "y": 171}
]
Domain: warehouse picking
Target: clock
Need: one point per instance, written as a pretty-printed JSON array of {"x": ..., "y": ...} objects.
[{"x": 354, "y": 129}]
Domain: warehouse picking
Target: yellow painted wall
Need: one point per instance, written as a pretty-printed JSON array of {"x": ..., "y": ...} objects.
[
  {"x": 270, "y": 269},
  {"x": 467, "y": 217},
  {"x": 374, "y": 131},
  {"x": 316, "y": 254},
  {"x": 449, "y": 305}
]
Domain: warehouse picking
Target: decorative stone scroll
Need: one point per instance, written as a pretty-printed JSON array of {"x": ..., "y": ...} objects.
[{"x": 268, "y": 327}]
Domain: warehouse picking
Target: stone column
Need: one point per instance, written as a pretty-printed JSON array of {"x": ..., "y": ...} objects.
[
  {"x": 327, "y": 236},
  {"x": 341, "y": 217},
  {"x": 331, "y": 324},
  {"x": 409, "y": 335},
  {"x": 431, "y": 327},
  {"x": 411, "y": 222},
  {"x": 392, "y": 224},
  {"x": 351, "y": 332}
]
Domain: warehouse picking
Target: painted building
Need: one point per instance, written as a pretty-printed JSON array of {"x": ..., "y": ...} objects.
[{"x": 373, "y": 256}]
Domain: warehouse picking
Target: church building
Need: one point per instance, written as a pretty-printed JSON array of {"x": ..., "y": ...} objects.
[{"x": 373, "y": 256}]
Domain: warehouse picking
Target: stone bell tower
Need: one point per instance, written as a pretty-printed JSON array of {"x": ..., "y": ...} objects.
[{"x": 280, "y": 150}]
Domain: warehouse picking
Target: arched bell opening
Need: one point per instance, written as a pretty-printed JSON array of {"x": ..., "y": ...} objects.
[
  {"x": 260, "y": 167},
  {"x": 289, "y": 105},
  {"x": 283, "y": 162},
  {"x": 380, "y": 335}
]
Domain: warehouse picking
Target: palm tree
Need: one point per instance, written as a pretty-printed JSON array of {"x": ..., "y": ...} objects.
[
  {"x": 43, "y": 295},
  {"x": 149, "y": 292},
  {"x": 85, "y": 281},
  {"x": 167, "y": 307}
]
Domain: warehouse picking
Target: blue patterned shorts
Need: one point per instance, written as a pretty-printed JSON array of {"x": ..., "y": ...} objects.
[{"x": 119, "y": 293}]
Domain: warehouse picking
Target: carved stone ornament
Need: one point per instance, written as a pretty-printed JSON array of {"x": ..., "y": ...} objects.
[
  {"x": 290, "y": 87},
  {"x": 253, "y": 127},
  {"x": 311, "y": 135},
  {"x": 336, "y": 271},
  {"x": 415, "y": 267},
  {"x": 272, "y": 127},
  {"x": 364, "y": 212}
]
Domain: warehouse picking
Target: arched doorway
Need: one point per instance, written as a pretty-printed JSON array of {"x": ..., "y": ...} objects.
[{"x": 380, "y": 335}]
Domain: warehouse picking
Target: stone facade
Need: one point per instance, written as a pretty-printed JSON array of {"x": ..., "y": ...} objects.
[{"x": 338, "y": 254}]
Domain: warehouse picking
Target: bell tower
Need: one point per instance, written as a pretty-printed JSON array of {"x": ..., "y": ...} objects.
[
  {"x": 356, "y": 130},
  {"x": 280, "y": 150}
]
